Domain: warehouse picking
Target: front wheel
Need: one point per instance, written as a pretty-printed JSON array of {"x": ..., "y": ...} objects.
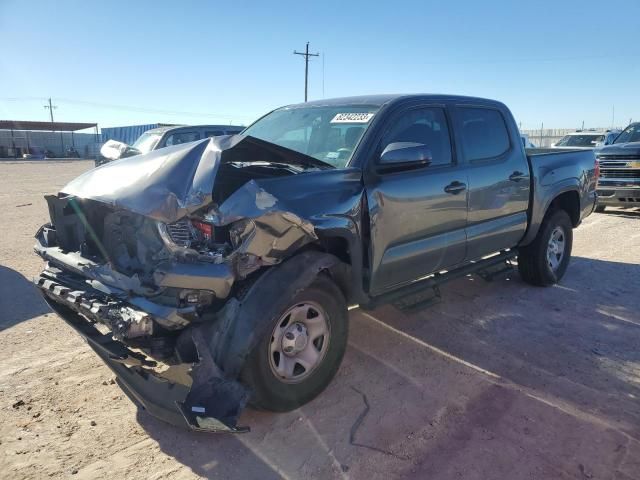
[
  {"x": 301, "y": 350},
  {"x": 546, "y": 259}
]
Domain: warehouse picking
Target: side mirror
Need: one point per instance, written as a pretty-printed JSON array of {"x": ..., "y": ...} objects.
[
  {"x": 114, "y": 150},
  {"x": 406, "y": 154}
]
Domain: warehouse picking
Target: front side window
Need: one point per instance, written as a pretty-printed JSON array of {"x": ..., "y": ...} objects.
[
  {"x": 181, "y": 137},
  {"x": 629, "y": 134},
  {"x": 146, "y": 142},
  {"x": 327, "y": 133},
  {"x": 427, "y": 126},
  {"x": 484, "y": 133}
]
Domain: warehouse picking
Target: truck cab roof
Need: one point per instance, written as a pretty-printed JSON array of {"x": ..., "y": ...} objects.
[
  {"x": 388, "y": 99},
  {"x": 172, "y": 128}
]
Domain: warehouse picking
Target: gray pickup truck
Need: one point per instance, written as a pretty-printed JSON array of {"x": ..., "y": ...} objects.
[{"x": 234, "y": 259}]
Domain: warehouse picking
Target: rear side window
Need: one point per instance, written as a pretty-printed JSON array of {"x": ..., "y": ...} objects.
[{"x": 484, "y": 133}]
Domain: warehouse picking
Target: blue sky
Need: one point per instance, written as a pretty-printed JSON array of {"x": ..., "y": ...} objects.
[{"x": 132, "y": 62}]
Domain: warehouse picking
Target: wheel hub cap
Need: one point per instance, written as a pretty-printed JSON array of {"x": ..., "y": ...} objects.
[
  {"x": 295, "y": 339},
  {"x": 555, "y": 248},
  {"x": 299, "y": 342}
]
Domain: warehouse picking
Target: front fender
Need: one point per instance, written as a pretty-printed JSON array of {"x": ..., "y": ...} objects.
[{"x": 242, "y": 322}]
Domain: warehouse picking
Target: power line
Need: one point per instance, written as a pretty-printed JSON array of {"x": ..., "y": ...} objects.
[
  {"x": 306, "y": 56},
  {"x": 133, "y": 108},
  {"x": 129, "y": 108}
]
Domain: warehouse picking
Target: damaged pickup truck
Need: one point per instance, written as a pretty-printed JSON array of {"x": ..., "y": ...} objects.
[{"x": 215, "y": 273}]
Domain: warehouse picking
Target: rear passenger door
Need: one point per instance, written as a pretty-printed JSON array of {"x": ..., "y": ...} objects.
[
  {"x": 417, "y": 217},
  {"x": 498, "y": 174}
]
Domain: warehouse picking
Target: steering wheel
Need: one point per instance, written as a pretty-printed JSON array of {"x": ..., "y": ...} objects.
[{"x": 344, "y": 152}]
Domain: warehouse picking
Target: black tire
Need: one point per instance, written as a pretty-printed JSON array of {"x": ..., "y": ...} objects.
[
  {"x": 532, "y": 260},
  {"x": 600, "y": 208},
  {"x": 268, "y": 391}
]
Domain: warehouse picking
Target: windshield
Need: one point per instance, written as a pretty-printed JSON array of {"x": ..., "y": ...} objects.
[
  {"x": 146, "y": 142},
  {"x": 629, "y": 134},
  {"x": 329, "y": 134},
  {"x": 580, "y": 140}
]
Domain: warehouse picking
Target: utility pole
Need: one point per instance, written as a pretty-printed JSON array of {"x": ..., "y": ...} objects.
[
  {"x": 306, "y": 56},
  {"x": 613, "y": 115},
  {"x": 51, "y": 107},
  {"x": 323, "y": 75},
  {"x": 541, "y": 128}
]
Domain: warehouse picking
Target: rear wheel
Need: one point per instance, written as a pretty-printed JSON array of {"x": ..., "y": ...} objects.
[
  {"x": 546, "y": 259},
  {"x": 301, "y": 350},
  {"x": 600, "y": 208}
]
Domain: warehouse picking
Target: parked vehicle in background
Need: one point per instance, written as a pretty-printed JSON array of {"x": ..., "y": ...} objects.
[
  {"x": 235, "y": 258},
  {"x": 36, "y": 153},
  {"x": 619, "y": 183},
  {"x": 581, "y": 139},
  {"x": 609, "y": 138},
  {"x": 71, "y": 152},
  {"x": 161, "y": 137}
]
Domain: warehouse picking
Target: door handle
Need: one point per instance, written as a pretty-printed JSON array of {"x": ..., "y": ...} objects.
[
  {"x": 455, "y": 187},
  {"x": 517, "y": 176}
]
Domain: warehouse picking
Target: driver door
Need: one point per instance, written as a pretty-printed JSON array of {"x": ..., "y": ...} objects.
[{"x": 418, "y": 216}]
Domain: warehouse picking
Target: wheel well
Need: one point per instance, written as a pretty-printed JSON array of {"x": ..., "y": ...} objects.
[
  {"x": 569, "y": 202},
  {"x": 337, "y": 246},
  {"x": 340, "y": 273}
]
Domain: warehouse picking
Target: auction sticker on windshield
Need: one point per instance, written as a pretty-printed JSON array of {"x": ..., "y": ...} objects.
[{"x": 352, "y": 117}]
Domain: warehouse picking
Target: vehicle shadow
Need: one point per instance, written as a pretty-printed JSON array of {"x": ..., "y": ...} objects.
[
  {"x": 315, "y": 441},
  {"x": 577, "y": 341},
  {"x": 208, "y": 455},
  {"x": 573, "y": 344},
  {"x": 19, "y": 299}
]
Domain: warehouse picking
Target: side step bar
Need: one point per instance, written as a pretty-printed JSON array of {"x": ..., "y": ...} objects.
[{"x": 432, "y": 281}]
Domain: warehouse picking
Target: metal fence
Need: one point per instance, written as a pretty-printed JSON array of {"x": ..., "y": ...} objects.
[
  {"x": 548, "y": 136},
  {"x": 15, "y": 144}
]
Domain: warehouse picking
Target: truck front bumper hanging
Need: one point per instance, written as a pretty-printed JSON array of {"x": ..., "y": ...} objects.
[{"x": 212, "y": 403}]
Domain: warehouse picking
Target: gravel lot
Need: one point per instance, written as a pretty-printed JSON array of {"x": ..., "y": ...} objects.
[{"x": 498, "y": 381}]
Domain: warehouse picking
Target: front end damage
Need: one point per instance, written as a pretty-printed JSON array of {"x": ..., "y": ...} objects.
[{"x": 149, "y": 258}]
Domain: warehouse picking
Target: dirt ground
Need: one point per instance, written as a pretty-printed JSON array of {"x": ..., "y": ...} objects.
[{"x": 500, "y": 380}]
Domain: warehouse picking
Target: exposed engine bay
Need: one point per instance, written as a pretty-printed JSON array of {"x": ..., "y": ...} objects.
[{"x": 186, "y": 264}]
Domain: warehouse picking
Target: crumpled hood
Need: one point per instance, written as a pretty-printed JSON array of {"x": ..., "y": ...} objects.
[{"x": 170, "y": 183}]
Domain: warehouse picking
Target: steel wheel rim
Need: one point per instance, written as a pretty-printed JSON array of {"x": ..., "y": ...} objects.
[
  {"x": 299, "y": 342},
  {"x": 555, "y": 248}
]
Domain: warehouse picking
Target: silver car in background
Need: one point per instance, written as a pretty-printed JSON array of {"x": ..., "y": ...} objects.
[
  {"x": 161, "y": 137},
  {"x": 587, "y": 139}
]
